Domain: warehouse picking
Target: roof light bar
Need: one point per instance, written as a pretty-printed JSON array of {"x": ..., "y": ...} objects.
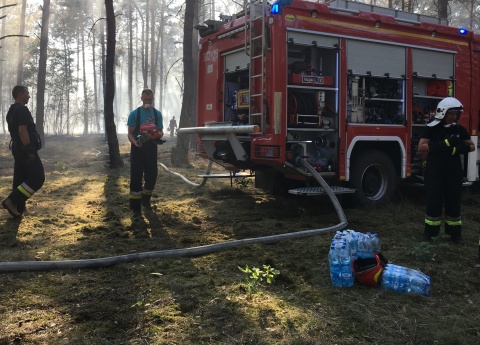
[{"x": 279, "y": 5}]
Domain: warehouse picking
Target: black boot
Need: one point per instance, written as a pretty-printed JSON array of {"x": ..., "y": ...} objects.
[
  {"x": 457, "y": 239},
  {"x": 136, "y": 207},
  {"x": 11, "y": 207},
  {"x": 146, "y": 201},
  {"x": 455, "y": 231}
]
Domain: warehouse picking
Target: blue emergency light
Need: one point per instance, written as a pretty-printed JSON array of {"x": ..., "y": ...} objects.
[
  {"x": 279, "y": 5},
  {"x": 463, "y": 31}
]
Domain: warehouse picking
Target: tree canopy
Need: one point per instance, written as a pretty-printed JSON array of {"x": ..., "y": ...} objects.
[{"x": 149, "y": 52}]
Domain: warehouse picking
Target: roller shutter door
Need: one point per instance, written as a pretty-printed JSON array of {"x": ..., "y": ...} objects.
[
  {"x": 310, "y": 39},
  {"x": 428, "y": 63},
  {"x": 236, "y": 61},
  {"x": 375, "y": 58}
]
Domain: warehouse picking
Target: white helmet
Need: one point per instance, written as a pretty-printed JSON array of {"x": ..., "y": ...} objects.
[{"x": 446, "y": 104}]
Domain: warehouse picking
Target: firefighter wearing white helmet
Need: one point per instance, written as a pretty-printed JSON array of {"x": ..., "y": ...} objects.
[
  {"x": 444, "y": 140},
  {"x": 449, "y": 104}
]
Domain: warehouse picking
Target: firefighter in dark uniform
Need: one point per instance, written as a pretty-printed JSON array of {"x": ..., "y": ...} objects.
[
  {"x": 28, "y": 173},
  {"x": 143, "y": 155},
  {"x": 444, "y": 140}
]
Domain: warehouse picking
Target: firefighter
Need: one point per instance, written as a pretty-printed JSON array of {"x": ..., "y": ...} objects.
[
  {"x": 444, "y": 140},
  {"x": 143, "y": 152},
  {"x": 172, "y": 126},
  {"x": 28, "y": 172}
]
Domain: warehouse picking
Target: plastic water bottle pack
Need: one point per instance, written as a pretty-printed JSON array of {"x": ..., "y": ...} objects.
[
  {"x": 363, "y": 245},
  {"x": 339, "y": 258},
  {"x": 367, "y": 244},
  {"x": 349, "y": 247},
  {"x": 405, "y": 280}
]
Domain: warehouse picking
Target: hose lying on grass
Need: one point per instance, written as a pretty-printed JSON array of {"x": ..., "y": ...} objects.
[
  {"x": 22, "y": 266},
  {"x": 209, "y": 168}
]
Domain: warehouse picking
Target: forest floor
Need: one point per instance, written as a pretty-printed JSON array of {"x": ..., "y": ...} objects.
[{"x": 82, "y": 213}]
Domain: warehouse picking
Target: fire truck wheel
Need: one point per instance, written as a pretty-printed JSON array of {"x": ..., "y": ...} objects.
[{"x": 374, "y": 178}]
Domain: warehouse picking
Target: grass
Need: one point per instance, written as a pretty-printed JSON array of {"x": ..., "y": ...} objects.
[{"x": 82, "y": 213}]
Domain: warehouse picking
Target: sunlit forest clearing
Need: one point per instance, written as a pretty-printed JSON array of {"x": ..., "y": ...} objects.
[{"x": 176, "y": 275}]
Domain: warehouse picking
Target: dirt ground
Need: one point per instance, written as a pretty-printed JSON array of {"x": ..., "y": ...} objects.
[{"x": 202, "y": 297}]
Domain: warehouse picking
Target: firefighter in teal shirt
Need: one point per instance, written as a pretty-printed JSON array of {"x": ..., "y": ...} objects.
[{"x": 143, "y": 154}]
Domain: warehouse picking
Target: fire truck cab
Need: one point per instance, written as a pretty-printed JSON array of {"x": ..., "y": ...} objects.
[{"x": 346, "y": 86}]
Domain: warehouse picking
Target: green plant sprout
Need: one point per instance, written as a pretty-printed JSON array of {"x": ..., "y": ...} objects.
[
  {"x": 60, "y": 166},
  {"x": 254, "y": 276},
  {"x": 423, "y": 252}
]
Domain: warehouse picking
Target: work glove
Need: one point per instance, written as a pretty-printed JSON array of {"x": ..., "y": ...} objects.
[
  {"x": 159, "y": 141},
  {"x": 442, "y": 147},
  {"x": 460, "y": 145},
  {"x": 463, "y": 147}
]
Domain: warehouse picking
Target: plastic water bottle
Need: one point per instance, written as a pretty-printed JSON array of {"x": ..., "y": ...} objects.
[
  {"x": 392, "y": 278},
  {"x": 334, "y": 258},
  {"x": 341, "y": 273},
  {"x": 419, "y": 283},
  {"x": 352, "y": 240},
  {"x": 375, "y": 242},
  {"x": 367, "y": 244},
  {"x": 405, "y": 280},
  {"x": 346, "y": 262},
  {"x": 335, "y": 266}
]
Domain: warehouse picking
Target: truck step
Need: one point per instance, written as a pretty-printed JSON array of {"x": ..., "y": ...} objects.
[
  {"x": 226, "y": 175},
  {"x": 313, "y": 191}
]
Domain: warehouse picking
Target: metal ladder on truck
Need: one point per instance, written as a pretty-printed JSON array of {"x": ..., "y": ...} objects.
[{"x": 256, "y": 48}]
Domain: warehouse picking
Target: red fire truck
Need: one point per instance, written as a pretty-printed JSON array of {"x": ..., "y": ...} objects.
[{"x": 346, "y": 86}]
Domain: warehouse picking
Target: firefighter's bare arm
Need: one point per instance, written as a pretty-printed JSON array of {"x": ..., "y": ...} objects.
[
  {"x": 472, "y": 144},
  {"x": 423, "y": 145},
  {"x": 27, "y": 149},
  {"x": 131, "y": 136},
  {"x": 23, "y": 133}
]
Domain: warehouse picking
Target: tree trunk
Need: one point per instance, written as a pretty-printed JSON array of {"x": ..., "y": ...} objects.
[
  {"x": 145, "y": 53},
  {"x": 78, "y": 80},
  {"x": 192, "y": 138},
  {"x": 471, "y": 13},
  {"x": 114, "y": 150},
  {"x": 442, "y": 8},
  {"x": 97, "y": 112},
  {"x": 85, "y": 86},
  {"x": 160, "y": 55},
  {"x": 102, "y": 67},
  {"x": 21, "y": 44},
  {"x": 42, "y": 70},
  {"x": 130, "y": 55},
  {"x": 153, "y": 51},
  {"x": 180, "y": 152},
  {"x": 68, "y": 86},
  {"x": 1, "y": 65}
]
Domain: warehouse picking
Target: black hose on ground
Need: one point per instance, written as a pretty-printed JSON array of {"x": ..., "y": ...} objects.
[{"x": 22, "y": 266}]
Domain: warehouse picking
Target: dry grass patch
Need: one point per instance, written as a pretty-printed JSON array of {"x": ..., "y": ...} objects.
[{"x": 82, "y": 213}]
